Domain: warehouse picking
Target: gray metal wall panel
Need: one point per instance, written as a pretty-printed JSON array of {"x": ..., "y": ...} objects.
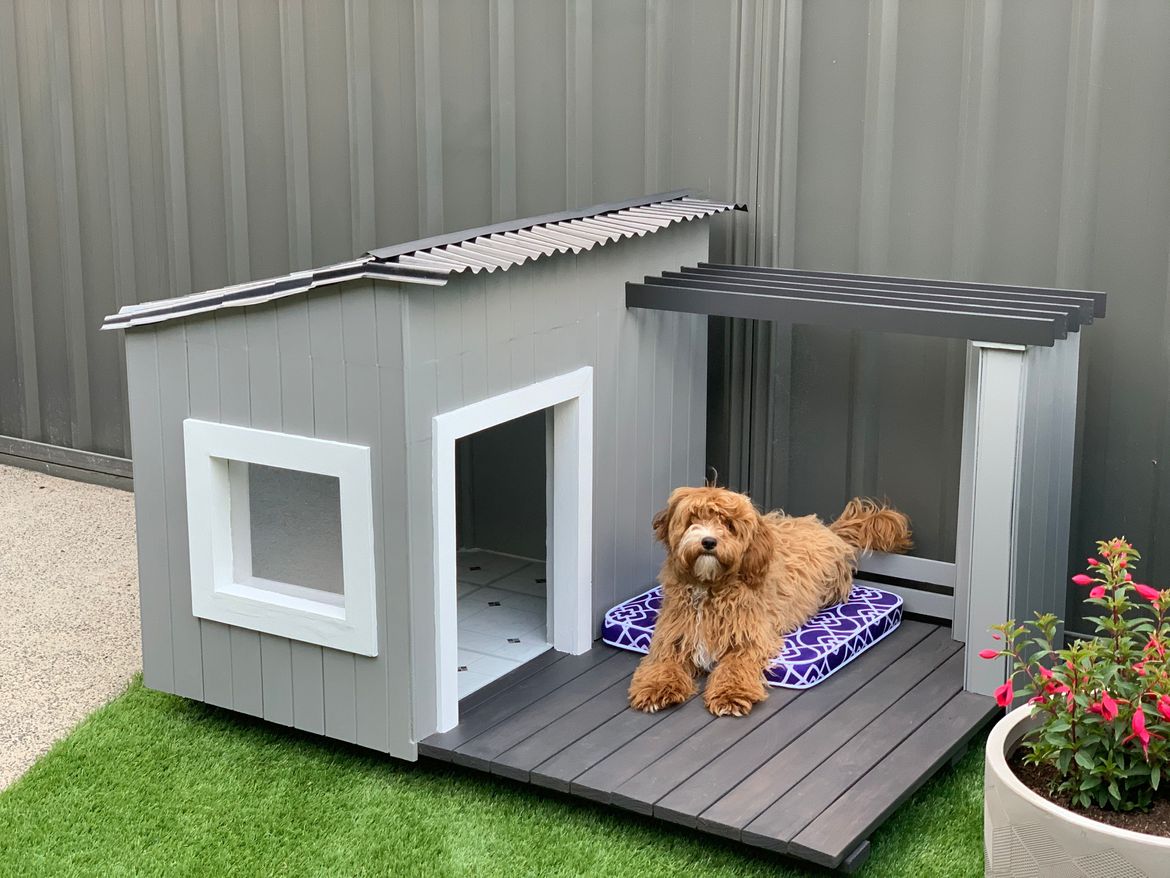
[{"x": 1024, "y": 142}]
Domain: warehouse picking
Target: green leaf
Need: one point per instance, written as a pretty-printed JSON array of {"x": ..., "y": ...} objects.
[
  {"x": 1155, "y": 776},
  {"x": 1084, "y": 760}
]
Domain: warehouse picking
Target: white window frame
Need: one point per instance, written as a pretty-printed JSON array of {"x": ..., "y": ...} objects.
[
  {"x": 570, "y": 560},
  {"x": 222, "y": 587}
]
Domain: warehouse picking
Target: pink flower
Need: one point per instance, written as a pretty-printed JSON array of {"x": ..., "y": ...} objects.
[
  {"x": 1164, "y": 706},
  {"x": 1046, "y": 673},
  {"x": 1140, "y": 732},
  {"x": 995, "y": 636},
  {"x": 1108, "y": 708},
  {"x": 1097, "y": 592},
  {"x": 1129, "y": 577},
  {"x": 1105, "y": 553},
  {"x": 988, "y": 654},
  {"x": 1150, "y": 594},
  {"x": 1082, "y": 579},
  {"x": 1140, "y": 667},
  {"x": 1038, "y": 699},
  {"x": 1093, "y": 562},
  {"x": 1004, "y": 695},
  {"x": 1123, "y": 563},
  {"x": 1156, "y": 645},
  {"x": 1095, "y": 707}
]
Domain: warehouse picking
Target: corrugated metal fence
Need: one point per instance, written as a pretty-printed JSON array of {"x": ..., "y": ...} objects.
[{"x": 151, "y": 147}]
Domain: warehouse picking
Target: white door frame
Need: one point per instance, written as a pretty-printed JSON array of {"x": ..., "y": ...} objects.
[{"x": 570, "y": 396}]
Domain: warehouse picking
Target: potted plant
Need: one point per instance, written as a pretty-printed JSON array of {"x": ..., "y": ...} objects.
[{"x": 1075, "y": 779}]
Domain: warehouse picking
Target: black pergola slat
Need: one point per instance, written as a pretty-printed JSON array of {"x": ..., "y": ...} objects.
[
  {"x": 910, "y": 317},
  {"x": 1097, "y": 298},
  {"x": 1066, "y": 318},
  {"x": 1079, "y": 311}
]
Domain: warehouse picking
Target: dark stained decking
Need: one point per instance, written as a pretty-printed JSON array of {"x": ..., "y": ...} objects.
[{"x": 778, "y": 778}]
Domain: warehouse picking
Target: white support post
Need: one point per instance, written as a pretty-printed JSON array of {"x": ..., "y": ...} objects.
[{"x": 985, "y": 549}]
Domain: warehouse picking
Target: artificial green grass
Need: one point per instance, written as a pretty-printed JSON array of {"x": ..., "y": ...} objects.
[{"x": 153, "y": 784}]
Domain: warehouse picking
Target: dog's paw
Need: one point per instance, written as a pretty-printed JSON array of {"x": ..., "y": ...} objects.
[
  {"x": 729, "y": 703},
  {"x": 652, "y": 698}
]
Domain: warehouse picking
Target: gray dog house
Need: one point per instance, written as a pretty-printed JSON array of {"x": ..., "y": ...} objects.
[
  {"x": 338, "y": 470},
  {"x": 327, "y": 601}
]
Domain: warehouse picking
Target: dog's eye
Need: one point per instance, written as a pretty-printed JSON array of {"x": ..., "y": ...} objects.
[{"x": 731, "y": 528}]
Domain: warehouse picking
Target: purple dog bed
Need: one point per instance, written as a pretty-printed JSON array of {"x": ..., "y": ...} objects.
[{"x": 825, "y": 644}]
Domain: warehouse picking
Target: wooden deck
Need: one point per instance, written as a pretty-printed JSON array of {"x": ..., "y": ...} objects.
[{"x": 808, "y": 773}]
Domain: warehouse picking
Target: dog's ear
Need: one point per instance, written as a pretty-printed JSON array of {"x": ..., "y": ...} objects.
[
  {"x": 757, "y": 558},
  {"x": 661, "y": 522}
]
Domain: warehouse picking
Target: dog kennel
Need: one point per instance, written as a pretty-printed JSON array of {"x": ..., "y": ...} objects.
[{"x": 358, "y": 483}]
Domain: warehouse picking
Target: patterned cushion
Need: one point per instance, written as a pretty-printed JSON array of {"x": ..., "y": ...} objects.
[{"x": 827, "y": 642}]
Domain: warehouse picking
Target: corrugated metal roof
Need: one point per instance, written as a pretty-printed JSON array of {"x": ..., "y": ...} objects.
[{"x": 434, "y": 260}]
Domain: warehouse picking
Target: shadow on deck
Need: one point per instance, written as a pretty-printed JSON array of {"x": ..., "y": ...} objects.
[{"x": 808, "y": 773}]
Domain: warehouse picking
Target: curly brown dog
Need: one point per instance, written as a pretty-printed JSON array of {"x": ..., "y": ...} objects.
[{"x": 735, "y": 582}]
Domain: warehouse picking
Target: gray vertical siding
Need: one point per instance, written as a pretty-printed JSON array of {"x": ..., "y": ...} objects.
[
  {"x": 535, "y": 322},
  {"x": 151, "y": 148},
  {"x": 326, "y": 365}
]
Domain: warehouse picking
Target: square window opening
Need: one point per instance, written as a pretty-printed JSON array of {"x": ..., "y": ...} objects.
[
  {"x": 281, "y": 534},
  {"x": 286, "y": 531}
]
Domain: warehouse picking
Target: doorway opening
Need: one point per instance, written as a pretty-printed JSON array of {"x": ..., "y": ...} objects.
[
  {"x": 502, "y": 490},
  {"x": 565, "y": 404}
]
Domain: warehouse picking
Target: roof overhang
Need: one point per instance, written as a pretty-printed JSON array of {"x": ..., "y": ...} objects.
[{"x": 947, "y": 309}]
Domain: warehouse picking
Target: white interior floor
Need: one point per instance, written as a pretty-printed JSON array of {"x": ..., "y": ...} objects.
[{"x": 503, "y": 615}]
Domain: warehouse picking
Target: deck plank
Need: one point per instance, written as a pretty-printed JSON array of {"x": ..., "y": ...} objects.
[
  {"x": 599, "y": 782},
  {"x": 518, "y": 762},
  {"x": 690, "y": 798},
  {"x": 850, "y": 819},
  {"x": 830, "y": 780},
  {"x": 443, "y": 744},
  {"x": 558, "y": 772},
  {"x": 483, "y": 748},
  {"x": 739, "y": 807},
  {"x": 654, "y": 781}
]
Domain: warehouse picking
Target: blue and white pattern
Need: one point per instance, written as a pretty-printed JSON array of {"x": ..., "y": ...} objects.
[{"x": 826, "y": 643}]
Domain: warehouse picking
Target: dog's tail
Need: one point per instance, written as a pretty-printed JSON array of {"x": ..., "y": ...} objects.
[{"x": 874, "y": 527}]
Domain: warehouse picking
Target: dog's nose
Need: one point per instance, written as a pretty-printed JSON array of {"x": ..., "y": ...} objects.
[{"x": 709, "y": 543}]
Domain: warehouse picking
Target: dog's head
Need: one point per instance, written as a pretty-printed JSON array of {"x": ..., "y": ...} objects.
[{"x": 711, "y": 533}]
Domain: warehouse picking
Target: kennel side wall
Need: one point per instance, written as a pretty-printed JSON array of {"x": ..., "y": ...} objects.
[
  {"x": 487, "y": 334},
  {"x": 327, "y": 365}
]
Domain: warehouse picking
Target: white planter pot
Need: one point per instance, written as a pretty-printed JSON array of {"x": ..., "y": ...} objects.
[{"x": 1025, "y": 834}]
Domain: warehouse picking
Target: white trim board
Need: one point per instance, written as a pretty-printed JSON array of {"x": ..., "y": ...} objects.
[
  {"x": 222, "y": 588},
  {"x": 570, "y": 562}
]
